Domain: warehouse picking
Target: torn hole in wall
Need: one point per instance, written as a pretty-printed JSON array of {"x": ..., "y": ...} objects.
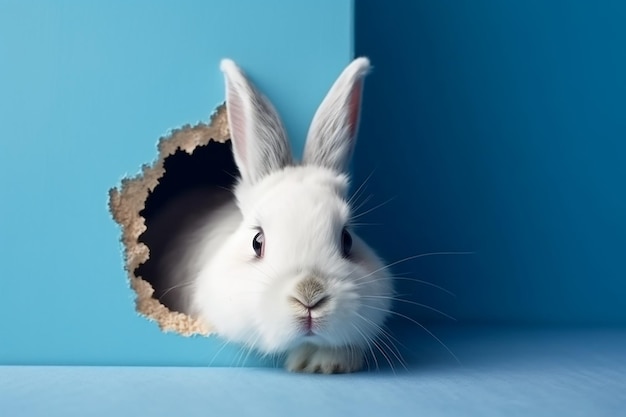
[{"x": 194, "y": 163}]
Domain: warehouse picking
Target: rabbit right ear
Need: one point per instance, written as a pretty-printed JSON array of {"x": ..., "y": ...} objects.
[
  {"x": 333, "y": 131},
  {"x": 259, "y": 140}
]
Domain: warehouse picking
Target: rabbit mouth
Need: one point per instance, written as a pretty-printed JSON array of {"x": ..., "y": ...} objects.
[{"x": 308, "y": 325}]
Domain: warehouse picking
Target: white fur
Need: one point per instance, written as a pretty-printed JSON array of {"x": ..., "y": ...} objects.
[
  {"x": 331, "y": 137},
  {"x": 261, "y": 145},
  {"x": 302, "y": 211}
]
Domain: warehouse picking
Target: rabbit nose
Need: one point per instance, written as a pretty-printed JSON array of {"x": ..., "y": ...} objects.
[
  {"x": 310, "y": 293},
  {"x": 310, "y": 305}
]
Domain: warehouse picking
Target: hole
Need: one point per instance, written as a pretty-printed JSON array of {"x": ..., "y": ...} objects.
[
  {"x": 191, "y": 187},
  {"x": 188, "y": 190},
  {"x": 194, "y": 168}
]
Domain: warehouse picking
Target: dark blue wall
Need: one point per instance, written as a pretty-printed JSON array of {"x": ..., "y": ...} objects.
[{"x": 500, "y": 128}]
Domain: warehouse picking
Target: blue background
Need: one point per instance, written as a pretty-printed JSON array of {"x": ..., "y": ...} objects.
[{"x": 497, "y": 127}]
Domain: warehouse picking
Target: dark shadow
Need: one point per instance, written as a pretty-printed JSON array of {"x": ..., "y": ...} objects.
[
  {"x": 499, "y": 128},
  {"x": 190, "y": 185},
  {"x": 496, "y": 128},
  {"x": 209, "y": 165},
  {"x": 405, "y": 153}
]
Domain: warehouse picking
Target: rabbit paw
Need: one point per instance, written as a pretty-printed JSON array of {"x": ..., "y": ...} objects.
[{"x": 317, "y": 359}]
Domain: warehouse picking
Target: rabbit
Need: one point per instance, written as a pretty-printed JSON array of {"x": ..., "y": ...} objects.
[{"x": 278, "y": 267}]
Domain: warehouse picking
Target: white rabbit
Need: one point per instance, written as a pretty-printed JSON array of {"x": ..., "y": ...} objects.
[{"x": 278, "y": 268}]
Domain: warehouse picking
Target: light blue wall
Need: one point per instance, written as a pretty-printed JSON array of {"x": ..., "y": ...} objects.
[
  {"x": 86, "y": 89},
  {"x": 500, "y": 128}
]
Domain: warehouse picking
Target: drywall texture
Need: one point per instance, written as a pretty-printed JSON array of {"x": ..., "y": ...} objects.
[{"x": 86, "y": 91}]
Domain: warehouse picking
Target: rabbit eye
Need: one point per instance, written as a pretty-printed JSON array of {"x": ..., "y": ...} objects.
[
  {"x": 257, "y": 244},
  {"x": 346, "y": 243}
]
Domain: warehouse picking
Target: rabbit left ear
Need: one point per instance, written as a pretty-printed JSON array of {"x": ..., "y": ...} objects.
[
  {"x": 260, "y": 144},
  {"x": 333, "y": 131}
]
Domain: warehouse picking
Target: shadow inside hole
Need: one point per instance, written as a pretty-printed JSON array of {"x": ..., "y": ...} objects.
[{"x": 191, "y": 187}]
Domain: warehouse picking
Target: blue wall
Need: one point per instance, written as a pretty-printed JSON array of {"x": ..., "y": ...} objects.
[
  {"x": 86, "y": 90},
  {"x": 500, "y": 128}
]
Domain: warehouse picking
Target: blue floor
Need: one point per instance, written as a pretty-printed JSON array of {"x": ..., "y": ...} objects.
[{"x": 501, "y": 372}]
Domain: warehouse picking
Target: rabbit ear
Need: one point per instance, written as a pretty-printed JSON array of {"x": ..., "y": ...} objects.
[
  {"x": 260, "y": 144},
  {"x": 334, "y": 127}
]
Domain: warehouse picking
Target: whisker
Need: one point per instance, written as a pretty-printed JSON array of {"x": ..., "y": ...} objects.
[
  {"x": 242, "y": 350},
  {"x": 230, "y": 175},
  {"x": 362, "y": 203},
  {"x": 384, "y": 331},
  {"x": 356, "y": 225},
  {"x": 382, "y": 351},
  {"x": 250, "y": 349},
  {"x": 246, "y": 350},
  {"x": 270, "y": 266},
  {"x": 391, "y": 340},
  {"x": 409, "y": 258},
  {"x": 354, "y": 350},
  {"x": 395, "y": 351},
  {"x": 225, "y": 188},
  {"x": 351, "y": 348},
  {"x": 368, "y": 344},
  {"x": 181, "y": 285},
  {"x": 397, "y": 278},
  {"x": 356, "y": 216},
  {"x": 235, "y": 363},
  {"x": 420, "y": 325},
  {"x": 355, "y": 195},
  {"x": 367, "y": 361},
  {"x": 410, "y": 302},
  {"x": 265, "y": 274},
  {"x": 276, "y": 358},
  {"x": 224, "y": 344}
]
